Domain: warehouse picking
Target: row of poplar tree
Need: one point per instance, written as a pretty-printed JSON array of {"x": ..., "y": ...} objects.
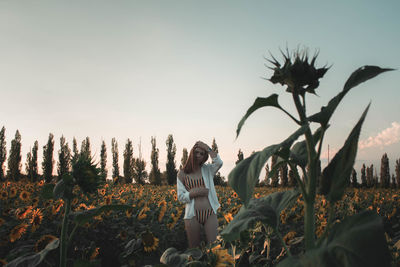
[
  {"x": 284, "y": 176},
  {"x": 134, "y": 169}
]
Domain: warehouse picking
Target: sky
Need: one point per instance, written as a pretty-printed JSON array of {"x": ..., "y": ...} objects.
[{"x": 137, "y": 69}]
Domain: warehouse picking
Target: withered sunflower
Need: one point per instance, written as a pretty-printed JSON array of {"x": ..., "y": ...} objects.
[
  {"x": 43, "y": 242},
  {"x": 149, "y": 241},
  {"x": 36, "y": 220},
  {"x": 223, "y": 257},
  {"x": 18, "y": 231}
]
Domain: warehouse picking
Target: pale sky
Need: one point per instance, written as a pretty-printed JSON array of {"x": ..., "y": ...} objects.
[{"x": 136, "y": 69}]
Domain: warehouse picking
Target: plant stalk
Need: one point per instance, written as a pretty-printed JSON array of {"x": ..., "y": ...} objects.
[{"x": 64, "y": 231}]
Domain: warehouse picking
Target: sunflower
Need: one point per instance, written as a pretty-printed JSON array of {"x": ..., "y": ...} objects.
[
  {"x": 43, "y": 242},
  {"x": 36, "y": 220},
  {"x": 149, "y": 241},
  {"x": 108, "y": 200},
  {"x": 228, "y": 217},
  {"x": 162, "y": 212},
  {"x": 2, "y": 221},
  {"x": 129, "y": 212},
  {"x": 94, "y": 253},
  {"x": 22, "y": 213},
  {"x": 3, "y": 262},
  {"x": 25, "y": 195},
  {"x": 56, "y": 207},
  {"x": 81, "y": 207},
  {"x": 223, "y": 257},
  {"x": 102, "y": 191},
  {"x": 41, "y": 182},
  {"x": 3, "y": 195},
  {"x": 74, "y": 201},
  {"x": 142, "y": 214},
  {"x": 18, "y": 231}
]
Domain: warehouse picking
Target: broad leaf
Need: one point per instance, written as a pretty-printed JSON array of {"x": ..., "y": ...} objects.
[
  {"x": 34, "y": 259},
  {"x": 271, "y": 101},
  {"x": 359, "y": 76},
  {"x": 172, "y": 257},
  {"x": 244, "y": 176},
  {"x": 358, "y": 241},
  {"x": 265, "y": 210},
  {"x": 47, "y": 191},
  {"x": 336, "y": 175},
  {"x": 83, "y": 217},
  {"x": 298, "y": 153}
]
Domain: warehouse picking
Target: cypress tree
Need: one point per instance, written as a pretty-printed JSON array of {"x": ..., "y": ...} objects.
[
  {"x": 31, "y": 166},
  {"x": 14, "y": 161},
  {"x": 385, "y": 172},
  {"x": 75, "y": 156},
  {"x": 292, "y": 179},
  {"x": 64, "y": 158},
  {"x": 3, "y": 152},
  {"x": 267, "y": 178},
  {"x": 283, "y": 170},
  {"x": 128, "y": 162},
  {"x": 85, "y": 148},
  {"x": 354, "y": 178},
  {"x": 275, "y": 177},
  {"x": 393, "y": 185},
  {"x": 171, "y": 165},
  {"x": 114, "y": 151},
  {"x": 139, "y": 168},
  {"x": 363, "y": 176},
  {"x": 240, "y": 157},
  {"x": 47, "y": 164},
  {"x": 184, "y": 157},
  {"x": 397, "y": 170},
  {"x": 103, "y": 161},
  {"x": 217, "y": 177},
  {"x": 155, "y": 174}
]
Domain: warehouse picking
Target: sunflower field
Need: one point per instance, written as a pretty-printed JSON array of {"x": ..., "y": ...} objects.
[{"x": 154, "y": 224}]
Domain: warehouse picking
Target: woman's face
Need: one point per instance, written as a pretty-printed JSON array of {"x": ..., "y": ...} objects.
[{"x": 199, "y": 154}]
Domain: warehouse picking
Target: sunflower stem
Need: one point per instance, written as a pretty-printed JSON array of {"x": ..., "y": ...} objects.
[{"x": 64, "y": 230}]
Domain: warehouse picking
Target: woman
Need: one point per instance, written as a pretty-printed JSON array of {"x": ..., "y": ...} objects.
[{"x": 195, "y": 184}]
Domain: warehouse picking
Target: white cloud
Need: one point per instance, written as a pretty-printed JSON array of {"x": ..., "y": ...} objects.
[{"x": 386, "y": 137}]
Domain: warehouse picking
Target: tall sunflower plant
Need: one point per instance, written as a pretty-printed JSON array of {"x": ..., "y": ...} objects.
[
  {"x": 86, "y": 176},
  {"x": 356, "y": 241}
]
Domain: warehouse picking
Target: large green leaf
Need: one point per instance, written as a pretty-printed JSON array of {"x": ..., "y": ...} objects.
[
  {"x": 244, "y": 176},
  {"x": 358, "y": 241},
  {"x": 47, "y": 191},
  {"x": 265, "y": 210},
  {"x": 336, "y": 175},
  {"x": 172, "y": 257},
  {"x": 271, "y": 101},
  {"x": 32, "y": 260},
  {"x": 83, "y": 217},
  {"x": 298, "y": 153},
  {"x": 359, "y": 76}
]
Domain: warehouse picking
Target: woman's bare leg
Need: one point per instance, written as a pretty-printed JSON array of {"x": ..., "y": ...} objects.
[
  {"x": 211, "y": 228},
  {"x": 193, "y": 228}
]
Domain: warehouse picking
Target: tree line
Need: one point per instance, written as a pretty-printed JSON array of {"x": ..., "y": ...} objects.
[
  {"x": 279, "y": 174},
  {"x": 134, "y": 169}
]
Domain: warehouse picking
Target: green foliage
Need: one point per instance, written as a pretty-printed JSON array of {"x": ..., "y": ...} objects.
[
  {"x": 342, "y": 244},
  {"x": 172, "y": 257},
  {"x": 103, "y": 161},
  {"x": 336, "y": 176},
  {"x": 35, "y": 259},
  {"x": 244, "y": 176},
  {"x": 170, "y": 165},
  {"x": 48, "y": 162},
  {"x": 265, "y": 210},
  {"x": 155, "y": 174},
  {"x": 357, "y": 241},
  {"x": 114, "y": 151},
  {"x": 3, "y": 151},
  {"x": 14, "y": 160}
]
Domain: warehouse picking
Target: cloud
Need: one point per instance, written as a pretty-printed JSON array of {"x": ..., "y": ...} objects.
[{"x": 386, "y": 137}]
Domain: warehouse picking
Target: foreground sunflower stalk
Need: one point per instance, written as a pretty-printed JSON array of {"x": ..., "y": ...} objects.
[{"x": 356, "y": 241}]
